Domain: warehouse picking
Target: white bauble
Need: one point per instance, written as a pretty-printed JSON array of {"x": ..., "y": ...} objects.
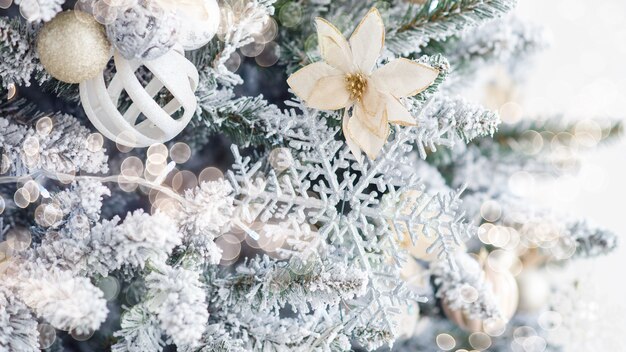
[
  {"x": 534, "y": 290},
  {"x": 199, "y": 20},
  {"x": 171, "y": 71}
]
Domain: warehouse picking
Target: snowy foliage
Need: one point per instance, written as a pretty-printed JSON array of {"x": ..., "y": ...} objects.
[
  {"x": 207, "y": 214},
  {"x": 19, "y": 328},
  {"x": 67, "y": 302},
  {"x": 63, "y": 150},
  {"x": 320, "y": 238},
  {"x": 469, "y": 276},
  {"x": 438, "y": 20},
  {"x": 17, "y": 49},
  {"x": 139, "y": 330},
  {"x": 178, "y": 300},
  {"x": 39, "y": 10}
]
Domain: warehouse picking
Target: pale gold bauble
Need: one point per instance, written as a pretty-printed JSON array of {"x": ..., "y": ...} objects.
[
  {"x": 534, "y": 290},
  {"x": 73, "y": 47},
  {"x": 505, "y": 291}
]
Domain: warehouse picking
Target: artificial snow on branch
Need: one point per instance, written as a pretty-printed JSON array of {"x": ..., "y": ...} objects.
[{"x": 439, "y": 19}]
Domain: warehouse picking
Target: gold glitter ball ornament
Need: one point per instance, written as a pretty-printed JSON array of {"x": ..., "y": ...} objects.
[{"x": 73, "y": 47}]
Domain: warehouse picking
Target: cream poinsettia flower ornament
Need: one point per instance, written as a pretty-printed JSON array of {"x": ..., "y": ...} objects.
[{"x": 345, "y": 78}]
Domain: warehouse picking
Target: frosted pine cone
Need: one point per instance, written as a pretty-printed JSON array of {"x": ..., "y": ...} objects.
[{"x": 144, "y": 31}]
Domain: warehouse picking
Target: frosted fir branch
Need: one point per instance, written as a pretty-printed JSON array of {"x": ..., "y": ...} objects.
[
  {"x": 39, "y": 10},
  {"x": 19, "y": 326},
  {"x": 372, "y": 338},
  {"x": 65, "y": 301},
  {"x": 206, "y": 215},
  {"x": 452, "y": 284},
  {"x": 81, "y": 198},
  {"x": 591, "y": 241},
  {"x": 177, "y": 297},
  {"x": 439, "y": 19},
  {"x": 508, "y": 40},
  {"x": 111, "y": 245},
  {"x": 447, "y": 121},
  {"x": 18, "y": 59},
  {"x": 304, "y": 284},
  {"x": 610, "y": 129},
  {"x": 220, "y": 111},
  {"x": 63, "y": 150},
  {"x": 241, "y": 20},
  {"x": 140, "y": 330},
  {"x": 268, "y": 332},
  {"x": 217, "y": 339},
  {"x": 139, "y": 238}
]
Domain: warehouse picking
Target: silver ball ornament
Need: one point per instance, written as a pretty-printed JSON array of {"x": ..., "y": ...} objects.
[
  {"x": 73, "y": 47},
  {"x": 144, "y": 31}
]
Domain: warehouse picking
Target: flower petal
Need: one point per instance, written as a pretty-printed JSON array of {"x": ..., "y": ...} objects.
[
  {"x": 329, "y": 93},
  {"x": 367, "y": 41},
  {"x": 371, "y": 100},
  {"x": 370, "y": 143},
  {"x": 404, "y": 78},
  {"x": 354, "y": 148},
  {"x": 304, "y": 81},
  {"x": 397, "y": 113},
  {"x": 376, "y": 123},
  {"x": 334, "y": 47}
]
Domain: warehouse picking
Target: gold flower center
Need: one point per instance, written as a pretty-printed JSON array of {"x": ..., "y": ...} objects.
[{"x": 356, "y": 83}]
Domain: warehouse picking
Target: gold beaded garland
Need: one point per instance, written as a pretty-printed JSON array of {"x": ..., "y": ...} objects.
[{"x": 73, "y": 47}]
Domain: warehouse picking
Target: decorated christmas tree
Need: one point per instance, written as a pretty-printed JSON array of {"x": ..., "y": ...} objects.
[{"x": 280, "y": 175}]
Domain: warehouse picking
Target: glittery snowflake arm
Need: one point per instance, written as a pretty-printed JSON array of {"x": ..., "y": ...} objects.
[
  {"x": 418, "y": 24},
  {"x": 18, "y": 59}
]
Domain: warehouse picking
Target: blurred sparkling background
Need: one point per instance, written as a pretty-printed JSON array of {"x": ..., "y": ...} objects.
[{"x": 583, "y": 75}]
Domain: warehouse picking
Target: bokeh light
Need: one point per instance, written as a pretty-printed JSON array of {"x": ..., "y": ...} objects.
[
  {"x": 44, "y": 126},
  {"x": 445, "y": 342}
]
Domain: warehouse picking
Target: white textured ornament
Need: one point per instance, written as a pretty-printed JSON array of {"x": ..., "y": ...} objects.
[
  {"x": 172, "y": 71},
  {"x": 199, "y": 20}
]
